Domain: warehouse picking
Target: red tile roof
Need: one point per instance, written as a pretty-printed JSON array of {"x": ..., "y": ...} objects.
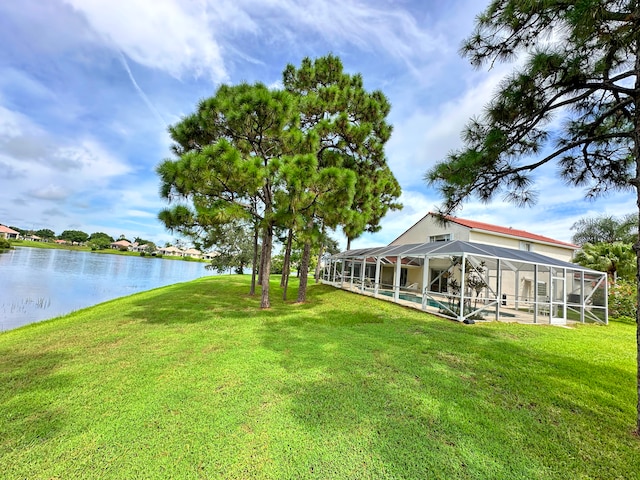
[
  {"x": 5, "y": 229},
  {"x": 507, "y": 231}
]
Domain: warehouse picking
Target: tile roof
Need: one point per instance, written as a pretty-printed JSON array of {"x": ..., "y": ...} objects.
[
  {"x": 507, "y": 231},
  {"x": 5, "y": 229},
  {"x": 122, "y": 243}
]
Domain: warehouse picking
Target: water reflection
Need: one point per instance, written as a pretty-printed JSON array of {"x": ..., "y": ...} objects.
[{"x": 38, "y": 283}]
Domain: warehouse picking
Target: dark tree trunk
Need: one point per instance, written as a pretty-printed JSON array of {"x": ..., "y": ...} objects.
[
  {"x": 261, "y": 263},
  {"x": 284, "y": 279},
  {"x": 317, "y": 273},
  {"x": 304, "y": 273},
  {"x": 254, "y": 265},
  {"x": 265, "y": 265},
  {"x": 636, "y": 184},
  {"x": 348, "y": 243}
]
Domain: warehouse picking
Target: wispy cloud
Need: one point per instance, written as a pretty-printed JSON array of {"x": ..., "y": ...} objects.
[
  {"x": 172, "y": 36},
  {"x": 143, "y": 95}
]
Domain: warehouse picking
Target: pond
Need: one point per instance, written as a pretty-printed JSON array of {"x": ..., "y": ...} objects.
[{"x": 38, "y": 283}]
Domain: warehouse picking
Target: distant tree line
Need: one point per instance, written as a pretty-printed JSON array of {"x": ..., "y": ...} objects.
[{"x": 96, "y": 240}]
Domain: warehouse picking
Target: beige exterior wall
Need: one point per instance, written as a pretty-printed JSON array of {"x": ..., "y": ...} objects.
[
  {"x": 554, "y": 251},
  {"x": 414, "y": 275},
  {"x": 513, "y": 285},
  {"x": 386, "y": 275},
  {"x": 428, "y": 227}
]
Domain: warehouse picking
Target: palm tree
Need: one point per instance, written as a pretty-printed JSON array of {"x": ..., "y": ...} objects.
[
  {"x": 606, "y": 229},
  {"x": 617, "y": 259}
]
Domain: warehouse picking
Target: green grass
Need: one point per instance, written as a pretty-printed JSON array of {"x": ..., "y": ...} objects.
[
  {"x": 195, "y": 381},
  {"x": 49, "y": 245}
]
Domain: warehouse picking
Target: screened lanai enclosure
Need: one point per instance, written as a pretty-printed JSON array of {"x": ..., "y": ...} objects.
[{"x": 470, "y": 281}]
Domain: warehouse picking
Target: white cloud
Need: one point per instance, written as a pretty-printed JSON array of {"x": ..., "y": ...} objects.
[
  {"x": 427, "y": 136},
  {"x": 50, "y": 192},
  {"x": 368, "y": 26},
  {"x": 140, "y": 214},
  {"x": 168, "y": 35},
  {"x": 193, "y": 37}
]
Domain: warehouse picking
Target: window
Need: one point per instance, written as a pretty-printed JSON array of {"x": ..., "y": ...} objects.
[
  {"x": 438, "y": 280},
  {"x": 403, "y": 277},
  {"x": 526, "y": 246},
  {"x": 542, "y": 289},
  {"x": 445, "y": 237}
]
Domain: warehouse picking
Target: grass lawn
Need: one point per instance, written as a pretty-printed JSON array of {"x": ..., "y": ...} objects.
[
  {"x": 49, "y": 245},
  {"x": 195, "y": 381}
]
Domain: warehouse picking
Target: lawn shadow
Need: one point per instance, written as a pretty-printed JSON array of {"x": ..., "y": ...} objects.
[
  {"x": 436, "y": 399},
  {"x": 27, "y": 384},
  {"x": 222, "y": 297}
]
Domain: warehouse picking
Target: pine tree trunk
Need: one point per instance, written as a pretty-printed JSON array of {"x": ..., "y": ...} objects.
[
  {"x": 317, "y": 272},
  {"x": 284, "y": 279},
  {"x": 287, "y": 258},
  {"x": 636, "y": 184},
  {"x": 265, "y": 265},
  {"x": 304, "y": 273},
  {"x": 261, "y": 262},
  {"x": 254, "y": 265},
  {"x": 348, "y": 243}
]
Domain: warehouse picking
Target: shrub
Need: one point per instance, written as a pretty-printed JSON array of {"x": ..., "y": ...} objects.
[
  {"x": 622, "y": 299},
  {"x": 4, "y": 243}
]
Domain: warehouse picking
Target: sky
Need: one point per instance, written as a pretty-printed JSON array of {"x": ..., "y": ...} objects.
[{"x": 89, "y": 87}]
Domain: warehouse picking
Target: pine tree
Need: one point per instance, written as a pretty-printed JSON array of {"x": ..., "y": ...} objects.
[
  {"x": 228, "y": 166},
  {"x": 351, "y": 128},
  {"x": 582, "y": 66}
]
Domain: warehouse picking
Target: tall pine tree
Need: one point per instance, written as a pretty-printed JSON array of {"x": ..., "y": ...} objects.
[
  {"x": 582, "y": 66},
  {"x": 351, "y": 128}
]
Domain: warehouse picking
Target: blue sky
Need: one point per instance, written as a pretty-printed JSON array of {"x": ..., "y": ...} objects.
[{"x": 88, "y": 88}]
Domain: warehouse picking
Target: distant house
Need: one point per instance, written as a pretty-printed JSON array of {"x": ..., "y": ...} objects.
[
  {"x": 121, "y": 245},
  {"x": 210, "y": 255},
  {"x": 171, "y": 251},
  {"x": 192, "y": 252},
  {"x": 33, "y": 238},
  {"x": 136, "y": 247},
  {"x": 8, "y": 233}
]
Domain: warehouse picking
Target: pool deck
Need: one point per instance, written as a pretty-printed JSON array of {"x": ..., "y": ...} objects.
[{"x": 507, "y": 314}]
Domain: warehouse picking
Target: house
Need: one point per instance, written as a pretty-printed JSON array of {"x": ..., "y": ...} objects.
[
  {"x": 192, "y": 252},
  {"x": 33, "y": 238},
  {"x": 136, "y": 247},
  {"x": 210, "y": 255},
  {"x": 171, "y": 251},
  {"x": 430, "y": 229},
  {"x": 8, "y": 233},
  {"x": 121, "y": 245},
  {"x": 468, "y": 270}
]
